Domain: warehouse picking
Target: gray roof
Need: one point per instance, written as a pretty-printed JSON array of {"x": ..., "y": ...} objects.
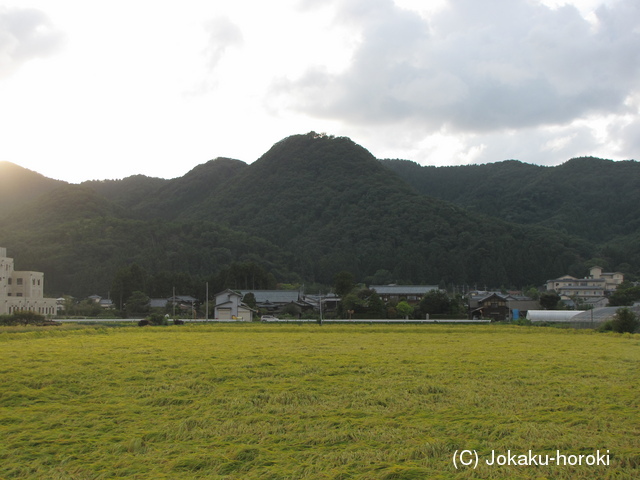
[
  {"x": 158, "y": 302},
  {"x": 162, "y": 302},
  {"x": 273, "y": 296},
  {"x": 564, "y": 278},
  {"x": 183, "y": 298},
  {"x": 403, "y": 289}
]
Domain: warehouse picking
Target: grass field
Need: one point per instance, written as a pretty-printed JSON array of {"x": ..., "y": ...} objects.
[{"x": 275, "y": 402}]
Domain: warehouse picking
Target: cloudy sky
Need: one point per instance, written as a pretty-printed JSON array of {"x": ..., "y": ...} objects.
[{"x": 96, "y": 90}]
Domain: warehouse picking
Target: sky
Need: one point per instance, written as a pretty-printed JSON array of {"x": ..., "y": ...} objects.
[{"x": 105, "y": 90}]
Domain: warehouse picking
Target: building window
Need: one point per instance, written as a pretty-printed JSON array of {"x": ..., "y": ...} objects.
[
  {"x": 18, "y": 281},
  {"x": 10, "y": 280}
]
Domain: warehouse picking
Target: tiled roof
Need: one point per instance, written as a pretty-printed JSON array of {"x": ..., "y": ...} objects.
[{"x": 403, "y": 289}]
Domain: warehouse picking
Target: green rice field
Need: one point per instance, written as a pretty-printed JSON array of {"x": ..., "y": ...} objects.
[{"x": 277, "y": 402}]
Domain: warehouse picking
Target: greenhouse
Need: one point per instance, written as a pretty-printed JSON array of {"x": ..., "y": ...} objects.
[
  {"x": 577, "y": 318},
  {"x": 551, "y": 315}
]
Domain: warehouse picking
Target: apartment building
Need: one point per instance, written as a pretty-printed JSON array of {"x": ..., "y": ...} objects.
[
  {"x": 591, "y": 290},
  {"x": 22, "y": 290}
]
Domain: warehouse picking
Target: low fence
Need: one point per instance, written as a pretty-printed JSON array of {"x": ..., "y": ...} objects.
[
  {"x": 282, "y": 320},
  {"x": 352, "y": 320},
  {"x": 96, "y": 320},
  {"x": 359, "y": 320}
]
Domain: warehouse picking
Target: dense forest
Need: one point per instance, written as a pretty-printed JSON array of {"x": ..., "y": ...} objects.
[
  {"x": 315, "y": 205},
  {"x": 594, "y": 199}
]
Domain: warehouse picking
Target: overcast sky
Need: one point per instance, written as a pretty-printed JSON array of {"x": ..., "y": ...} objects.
[{"x": 96, "y": 90}]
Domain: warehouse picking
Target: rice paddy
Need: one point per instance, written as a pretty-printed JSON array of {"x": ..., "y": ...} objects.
[{"x": 256, "y": 401}]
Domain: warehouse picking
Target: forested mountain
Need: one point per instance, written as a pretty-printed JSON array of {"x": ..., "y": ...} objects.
[
  {"x": 310, "y": 207},
  {"x": 332, "y": 205},
  {"x": 589, "y": 197},
  {"x": 19, "y": 186},
  {"x": 128, "y": 192},
  {"x": 595, "y": 199}
]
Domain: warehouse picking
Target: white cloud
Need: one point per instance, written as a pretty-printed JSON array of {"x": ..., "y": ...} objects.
[
  {"x": 156, "y": 88},
  {"x": 487, "y": 73},
  {"x": 483, "y": 66},
  {"x": 25, "y": 34},
  {"x": 223, "y": 34}
]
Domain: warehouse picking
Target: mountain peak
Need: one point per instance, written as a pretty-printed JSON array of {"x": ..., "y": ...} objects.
[{"x": 320, "y": 153}]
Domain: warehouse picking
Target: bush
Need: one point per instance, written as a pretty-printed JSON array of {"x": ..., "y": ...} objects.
[
  {"x": 522, "y": 321},
  {"x": 22, "y": 318},
  {"x": 625, "y": 321},
  {"x": 606, "y": 327},
  {"x": 157, "y": 319}
]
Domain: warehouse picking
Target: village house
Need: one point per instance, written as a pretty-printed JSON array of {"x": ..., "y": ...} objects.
[
  {"x": 184, "y": 305},
  {"x": 500, "y": 307},
  {"x": 22, "y": 290},
  {"x": 326, "y": 303},
  {"x": 275, "y": 302},
  {"x": 229, "y": 306},
  {"x": 412, "y": 294},
  {"x": 105, "y": 303}
]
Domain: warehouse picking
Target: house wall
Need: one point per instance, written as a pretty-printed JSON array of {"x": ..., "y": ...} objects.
[
  {"x": 245, "y": 314},
  {"x": 6, "y": 272},
  {"x": 611, "y": 279},
  {"x": 27, "y": 284},
  {"x": 229, "y": 312},
  {"x": 495, "y": 308}
]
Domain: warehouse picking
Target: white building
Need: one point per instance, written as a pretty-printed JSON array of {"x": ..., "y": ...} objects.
[
  {"x": 592, "y": 290},
  {"x": 22, "y": 290}
]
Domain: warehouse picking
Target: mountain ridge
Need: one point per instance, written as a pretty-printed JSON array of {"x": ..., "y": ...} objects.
[
  {"x": 594, "y": 198},
  {"x": 311, "y": 206}
]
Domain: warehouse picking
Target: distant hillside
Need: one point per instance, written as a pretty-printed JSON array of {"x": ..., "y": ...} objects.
[
  {"x": 19, "y": 186},
  {"x": 156, "y": 197},
  {"x": 128, "y": 192},
  {"x": 180, "y": 196},
  {"x": 64, "y": 204},
  {"x": 593, "y": 198}
]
